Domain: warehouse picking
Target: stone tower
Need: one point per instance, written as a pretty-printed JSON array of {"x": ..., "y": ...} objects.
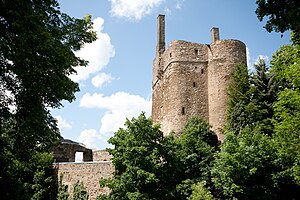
[{"x": 190, "y": 79}]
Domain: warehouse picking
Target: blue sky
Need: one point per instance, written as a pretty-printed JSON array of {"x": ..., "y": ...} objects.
[{"x": 117, "y": 82}]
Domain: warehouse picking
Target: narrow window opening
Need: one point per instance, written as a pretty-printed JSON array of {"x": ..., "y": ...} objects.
[
  {"x": 202, "y": 71},
  {"x": 170, "y": 54},
  {"x": 183, "y": 111},
  {"x": 196, "y": 51},
  {"x": 194, "y": 84}
]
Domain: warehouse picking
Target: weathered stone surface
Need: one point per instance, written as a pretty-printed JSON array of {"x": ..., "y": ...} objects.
[
  {"x": 190, "y": 79},
  {"x": 89, "y": 173},
  {"x": 66, "y": 150},
  {"x": 101, "y": 155}
]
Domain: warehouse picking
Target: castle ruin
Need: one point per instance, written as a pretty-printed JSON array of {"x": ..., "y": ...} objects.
[{"x": 190, "y": 79}]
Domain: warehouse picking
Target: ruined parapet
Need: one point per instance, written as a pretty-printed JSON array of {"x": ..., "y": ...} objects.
[
  {"x": 101, "y": 155},
  {"x": 66, "y": 150}
]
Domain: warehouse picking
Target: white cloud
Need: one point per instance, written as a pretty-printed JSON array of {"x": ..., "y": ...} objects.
[
  {"x": 248, "y": 57},
  {"x": 90, "y": 137},
  {"x": 264, "y": 57},
  {"x": 167, "y": 11},
  {"x": 97, "y": 53},
  {"x": 62, "y": 123},
  {"x": 178, "y": 5},
  {"x": 100, "y": 79},
  {"x": 119, "y": 106},
  {"x": 133, "y": 9},
  {"x": 251, "y": 61}
]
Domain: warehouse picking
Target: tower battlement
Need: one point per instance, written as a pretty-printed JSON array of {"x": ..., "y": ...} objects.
[{"x": 190, "y": 79}]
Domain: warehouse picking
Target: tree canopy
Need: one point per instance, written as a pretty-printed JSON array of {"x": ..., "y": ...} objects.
[
  {"x": 260, "y": 156},
  {"x": 151, "y": 166},
  {"x": 37, "y": 44},
  {"x": 283, "y": 15}
]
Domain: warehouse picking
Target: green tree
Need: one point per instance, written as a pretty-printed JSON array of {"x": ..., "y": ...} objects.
[
  {"x": 151, "y": 166},
  {"x": 251, "y": 99},
  {"x": 44, "y": 178},
  {"x": 138, "y": 161},
  {"x": 263, "y": 95},
  {"x": 80, "y": 192},
  {"x": 200, "y": 192},
  {"x": 243, "y": 168},
  {"x": 197, "y": 145},
  {"x": 286, "y": 66},
  {"x": 250, "y": 156},
  {"x": 238, "y": 99},
  {"x": 37, "y": 44},
  {"x": 282, "y": 15},
  {"x": 62, "y": 193}
]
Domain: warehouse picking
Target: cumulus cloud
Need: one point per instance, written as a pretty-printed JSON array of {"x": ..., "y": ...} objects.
[
  {"x": 264, "y": 57},
  {"x": 133, "y": 9},
  {"x": 100, "y": 79},
  {"x": 251, "y": 61},
  {"x": 90, "y": 137},
  {"x": 97, "y": 53},
  {"x": 62, "y": 123},
  {"x": 119, "y": 106}
]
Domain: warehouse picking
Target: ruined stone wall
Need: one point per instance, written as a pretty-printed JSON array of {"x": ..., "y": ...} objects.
[
  {"x": 101, "y": 155},
  {"x": 87, "y": 172},
  {"x": 223, "y": 57},
  {"x": 66, "y": 150},
  {"x": 190, "y": 79},
  {"x": 180, "y": 90}
]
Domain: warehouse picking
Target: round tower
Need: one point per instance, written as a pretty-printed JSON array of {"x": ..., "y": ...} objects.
[{"x": 224, "y": 56}]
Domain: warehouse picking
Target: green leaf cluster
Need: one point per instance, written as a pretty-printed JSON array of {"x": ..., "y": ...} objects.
[
  {"x": 80, "y": 192},
  {"x": 251, "y": 99},
  {"x": 37, "y": 44},
  {"x": 200, "y": 192},
  {"x": 282, "y": 15},
  {"x": 260, "y": 158},
  {"x": 151, "y": 166},
  {"x": 62, "y": 192}
]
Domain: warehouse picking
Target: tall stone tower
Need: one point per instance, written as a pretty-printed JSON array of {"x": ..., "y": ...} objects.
[{"x": 190, "y": 79}]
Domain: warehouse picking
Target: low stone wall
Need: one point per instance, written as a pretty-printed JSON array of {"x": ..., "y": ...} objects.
[
  {"x": 101, "y": 155},
  {"x": 87, "y": 172}
]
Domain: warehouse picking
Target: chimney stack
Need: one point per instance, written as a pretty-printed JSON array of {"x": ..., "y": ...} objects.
[
  {"x": 161, "y": 44},
  {"x": 215, "y": 34}
]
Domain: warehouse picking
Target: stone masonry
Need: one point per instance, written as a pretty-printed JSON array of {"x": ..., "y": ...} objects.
[
  {"x": 94, "y": 166},
  {"x": 190, "y": 79},
  {"x": 90, "y": 173}
]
